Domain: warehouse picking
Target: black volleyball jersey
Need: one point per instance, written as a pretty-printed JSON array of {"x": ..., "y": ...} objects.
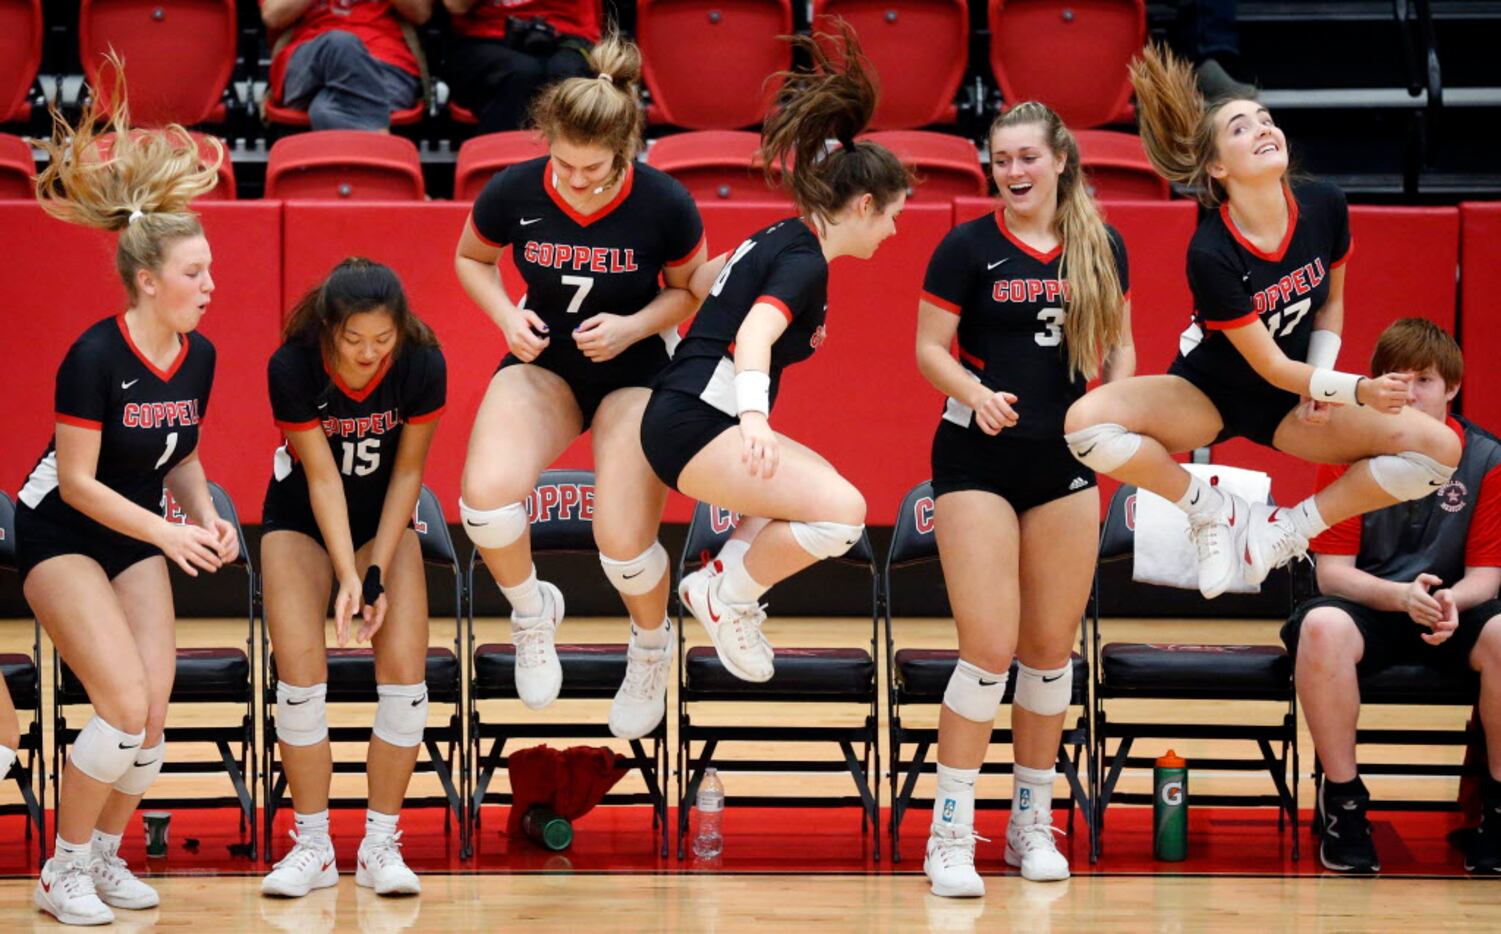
[
  {"x": 363, "y": 426},
  {"x": 1011, "y": 308},
  {"x": 147, "y": 418},
  {"x": 577, "y": 266},
  {"x": 1233, "y": 283},
  {"x": 782, "y": 266}
]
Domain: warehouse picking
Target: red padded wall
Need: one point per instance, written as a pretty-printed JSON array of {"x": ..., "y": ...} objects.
[
  {"x": 66, "y": 281},
  {"x": 1480, "y": 308}
]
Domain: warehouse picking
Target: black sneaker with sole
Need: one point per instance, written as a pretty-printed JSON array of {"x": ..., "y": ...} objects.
[
  {"x": 1483, "y": 853},
  {"x": 1345, "y": 839}
]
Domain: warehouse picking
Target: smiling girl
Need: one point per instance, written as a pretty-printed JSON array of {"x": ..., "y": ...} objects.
[
  {"x": 1037, "y": 296},
  {"x": 606, "y": 248},
  {"x": 91, "y": 540},
  {"x": 356, "y": 389},
  {"x": 1266, "y": 267}
]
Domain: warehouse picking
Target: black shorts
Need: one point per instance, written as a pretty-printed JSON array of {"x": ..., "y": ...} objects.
[
  {"x": 1025, "y": 472},
  {"x": 1392, "y": 637},
  {"x": 639, "y": 370},
  {"x": 38, "y": 539},
  {"x": 288, "y": 509},
  {"x": 675, "y": 427},
  {"x": 1253, "y": 415}
]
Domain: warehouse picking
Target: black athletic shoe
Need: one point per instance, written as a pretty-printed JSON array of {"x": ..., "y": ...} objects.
[
  {"x": 1345, "y": 841},
  {"x": 1483, "y": 854}
]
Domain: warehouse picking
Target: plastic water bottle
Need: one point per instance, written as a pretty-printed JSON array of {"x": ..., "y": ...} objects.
[
  {"x": 709, "y": 841},
  {"x": 1170, "y": 808}
]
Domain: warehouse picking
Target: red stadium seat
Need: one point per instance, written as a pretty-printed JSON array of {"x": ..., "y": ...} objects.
[
  {"x": 1118, "y": 167},
  {"x": 178, "y": 56},
  {"x": 919, "y": 49},
  {"x": 224, "y": 191},
  {"x": 461, "y": 115},
  {"x": 482, "y": 156},
  {"x": 948, "y": 167},
  {"x": 290, "y": 116},
  {"x": 17, "y": 167},
  {"x": 354, "y": 165},
  {"x": 706, "y": 62},
  {"x": 20, "y": 56},
  {"x": 715, "y": 165},
  {"x": 1088, "y": 84}
]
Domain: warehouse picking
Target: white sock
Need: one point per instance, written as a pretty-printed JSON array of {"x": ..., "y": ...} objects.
[
  {"x": 102, "y": 842},
  {"x": 526, "y": 597},
  {"x": 1306, "y": 519},
  {"x": 7, "y": 759},
  {"x": 71, "y": 852},
  {"x": 954, "y": 805},
  {"x": 737, "y": 586},
  {"x": 1032, "y": 794},
  {"x": 312, "y": 825},
  {"x": 733, "y": 553},
  {"x": 380, "y": 825},
  {"x": 1201, "y": 497},
  {"x": 658, "y": 638}
]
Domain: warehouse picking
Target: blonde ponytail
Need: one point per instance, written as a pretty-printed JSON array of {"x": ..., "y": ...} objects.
[{"x": 604, "y": 110}]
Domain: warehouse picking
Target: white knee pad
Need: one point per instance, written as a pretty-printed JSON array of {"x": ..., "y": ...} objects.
[
  {"x": 301, "y": 719},
  {"x": 974, "y": 693},
  {"x": 144, "y": 770},
  {"x": 1042, "y": 691},
  {"x": 494, "y": 528},
  {"x": 826, "y": 539},
  {"x": 401, "y": 714},
  {"x": 639, "y": 574},
  {"x": 1409, "y": 475},
  {"x": 104, "y": 753},
  {"x": 1103, "y": 448}
]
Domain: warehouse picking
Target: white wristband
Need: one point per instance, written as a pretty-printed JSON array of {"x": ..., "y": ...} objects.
[
  {"x": 1323, "y": 349},
  {"x": 752, "y": 392},
  {"x": 1333, "y": 386}
]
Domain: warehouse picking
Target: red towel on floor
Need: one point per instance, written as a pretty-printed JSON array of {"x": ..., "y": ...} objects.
[{"x": 569, "y": 781}]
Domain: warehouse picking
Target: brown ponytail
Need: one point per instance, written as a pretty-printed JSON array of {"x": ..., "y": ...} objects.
[
  {"x": 1177, "y": 125},
  {"x": 603, "y": 110},
  {"x": 1093, "y": 302},
  {"x": 834, "y": 100},
  {"x": 151, "y": 175}
]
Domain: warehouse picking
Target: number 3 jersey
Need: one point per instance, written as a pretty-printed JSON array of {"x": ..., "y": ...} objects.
[
  {"x": 1011, "y": 307},
  {"x": 147, "y": 418},
  {"x": 1234, "y": 284},
  {"x": 363, "y": 429}
]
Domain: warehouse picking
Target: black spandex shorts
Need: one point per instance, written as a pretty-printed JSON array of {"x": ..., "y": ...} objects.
[
  {"x": 363, "y": 524},
  {"x": 675, "y": 427},
  {"x": 1025, "y": 472},
  {"x": 1392, "y": 637},
  {"x": 38, "y": 539},
  {"x": 588, "y": 393},
  {"x": 1253, "y": 415}
]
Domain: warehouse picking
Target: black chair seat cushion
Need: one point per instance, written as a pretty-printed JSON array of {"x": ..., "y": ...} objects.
[
  {"x": 351, "y": 675},
  {"x": 1191, "y": 670},
  {"x": 820, "y": 672},
  {"x": 220, "y": 675},
  {"x": 586, "y": 668},
  {"x": 1417, "y": 683},
  {"x": 21, "y": 678},
  {"x": 923, "y": 674}
]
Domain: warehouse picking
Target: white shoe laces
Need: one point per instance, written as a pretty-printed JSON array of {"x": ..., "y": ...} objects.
[
  {"x": 645, "y": 673},
  {"x": 532, "y": 643},
  {"x": 113, "y": 868},
  {"x": 383, "y": 852},
  {"x": 1035, "y": 836},
  {"x": 1281, "y": 542},
  {"x": 955, "y": 851},
  {"x": 75, "y": 880},
  {"x": 745, "y": 622},
  {"x": 303, "y": 856},
  {"x": 1201, "y": 528}
]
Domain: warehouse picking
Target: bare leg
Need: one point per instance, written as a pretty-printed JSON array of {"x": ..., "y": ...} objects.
[
  {"x": 1329, "y": 647},
  {"x": 628, "y": 497},
  {"x": 1169, "y": 413},
  {"x": 1486, "y": 659},
  {"x": 400, "y": 658}
]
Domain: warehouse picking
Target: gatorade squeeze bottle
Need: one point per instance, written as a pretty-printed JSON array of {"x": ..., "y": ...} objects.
[{"x": 1170, "y": 808}]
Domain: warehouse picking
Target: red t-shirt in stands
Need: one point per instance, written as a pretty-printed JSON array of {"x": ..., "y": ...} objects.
[
  {"x": 1482, "y": 542},
  {"x": 375, "y": 22},
  {"x": 487, "y": 18}
]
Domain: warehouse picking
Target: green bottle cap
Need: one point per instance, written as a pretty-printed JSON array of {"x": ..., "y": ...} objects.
[{"x": 557, "y": 834}]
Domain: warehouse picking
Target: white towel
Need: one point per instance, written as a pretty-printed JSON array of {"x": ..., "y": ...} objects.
[{"x": 1164, "y": 554}]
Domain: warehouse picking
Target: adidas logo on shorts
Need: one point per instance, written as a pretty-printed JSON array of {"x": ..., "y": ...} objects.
[{"x": 1078, "y": 484}]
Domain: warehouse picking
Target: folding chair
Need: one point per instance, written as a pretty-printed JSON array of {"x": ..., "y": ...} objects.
[
  {"x": 23, "y": 678},
  {"x": 1188, "y": 671},
  {"x": 353, "y": 165},
  {"x": 803, "y": 676},
  {"x": 561, "y": 510},
  {"x": 920, "y": 677},
  {"x": 351, "y": 679},
  {"x": 220, "y": 677}
]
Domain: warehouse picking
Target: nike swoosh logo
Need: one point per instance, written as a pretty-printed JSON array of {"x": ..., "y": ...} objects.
[
  {"x": 131, "y": 383},
  {"x": 629, "y": 576},
  {"x": 1047, "y": 680},
  {"x": 989, "y": 266},
  {"x": 1192, "y": 502},
  {"x": 475, "y": 525},
  {"x": 323, "y": 405},
  {"x": 1273, "y": 516},
  {"x": 420, "y": 701},
  {"x": 298, "y": 703},
  {"x": 142, "y": 765},
  {"x": 1435, "y": 483},
  {"x": 527, "y": 222},
  {"x": 46, "y": 886},
  {"x": 709, "y": 598},
  {"x": 136, "y": 746},
  {"x": 1084, "y": 454},
  {"x": 1232, "y": 513},
  {"x": 1329, "y": 393},
  {"x": 987, "y": 684},
  {"x": 326, "y": 865}
]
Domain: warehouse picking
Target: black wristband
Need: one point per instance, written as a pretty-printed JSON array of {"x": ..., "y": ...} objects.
[{"x": 373, "y": 589}]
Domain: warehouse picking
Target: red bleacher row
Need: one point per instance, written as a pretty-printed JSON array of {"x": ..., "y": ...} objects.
[{"x": 860, "y": 401}]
